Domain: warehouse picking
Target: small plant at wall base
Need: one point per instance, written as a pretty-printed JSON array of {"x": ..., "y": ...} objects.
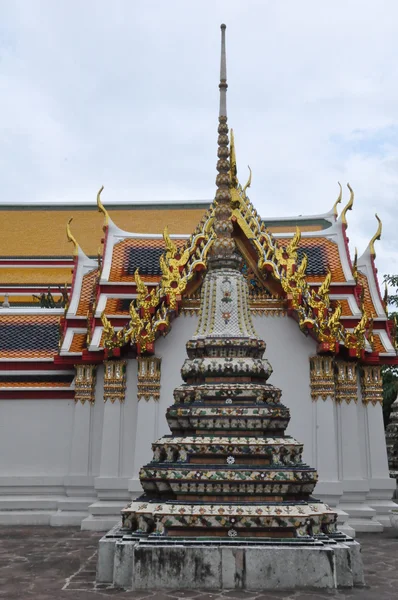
[{"x": 390, "y": 373}]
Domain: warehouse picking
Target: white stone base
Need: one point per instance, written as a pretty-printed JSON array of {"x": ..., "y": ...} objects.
[
  {"x": 138, "y": 565},
  {"x": 103, "y": 515}
]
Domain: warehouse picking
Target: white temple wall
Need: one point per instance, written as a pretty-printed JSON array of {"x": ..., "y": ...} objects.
[
  {"x": 288, "y": 351},
  {"x": 35, "y": 437},
  {"x": 35, "y": 441},
  {"x": 65, "y": 463}
]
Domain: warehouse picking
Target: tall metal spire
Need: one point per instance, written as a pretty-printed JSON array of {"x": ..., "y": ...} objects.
[
  {"x": 222, "y": 253},
  {"x": 223, "y": 75}
]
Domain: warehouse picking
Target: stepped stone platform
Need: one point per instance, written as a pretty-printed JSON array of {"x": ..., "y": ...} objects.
[
  {"x": 59, "y": 563},
  {"x": 131, "y": 562}
]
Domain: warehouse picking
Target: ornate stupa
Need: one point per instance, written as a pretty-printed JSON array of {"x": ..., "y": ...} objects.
[{"x": 227, "y": 470}]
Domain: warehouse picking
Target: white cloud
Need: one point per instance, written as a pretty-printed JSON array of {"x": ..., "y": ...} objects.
[{"x": 125, "y": 94}]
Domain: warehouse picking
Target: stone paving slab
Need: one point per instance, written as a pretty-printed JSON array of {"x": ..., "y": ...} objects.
[{"x": 51, "y": 563}]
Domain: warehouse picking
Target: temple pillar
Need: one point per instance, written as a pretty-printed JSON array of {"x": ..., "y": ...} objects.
[
  {"x": 381, "y": 486},
  {"x": 352, "y": 459},
  {"x": 79, "y": 483},
  {"x": 111, "y": 484},
  {"x": 325, "y": 434}
]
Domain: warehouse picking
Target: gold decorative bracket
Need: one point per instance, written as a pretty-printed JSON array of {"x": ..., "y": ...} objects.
[
  {"x": 85, "y": 383},
  {"x": 149, "y": 378},
  {"x": 115, "y": 380}
]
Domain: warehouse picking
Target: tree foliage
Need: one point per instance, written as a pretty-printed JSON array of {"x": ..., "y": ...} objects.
[{"x": 390, "y": 373}]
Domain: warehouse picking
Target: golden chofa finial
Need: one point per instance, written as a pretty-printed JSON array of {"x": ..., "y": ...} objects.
[
  {"x": 71, "y": 237},
  {"x": 347, "y": 207},
  {"x": 376, "y": 236},
  {"x": 249, "y": 181},
  {"x": 101, "y": 207},
  {"x": 338, "y": 200}
]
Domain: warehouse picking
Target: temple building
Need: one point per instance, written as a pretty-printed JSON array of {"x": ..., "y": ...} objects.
[{"x": 93, "y": 332}]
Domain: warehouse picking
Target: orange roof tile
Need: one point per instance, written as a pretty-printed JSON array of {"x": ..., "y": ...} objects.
[
  {"x": 40, "y": 231},
  {"x": 142, "y": 253},
  {"x": 78, "y": 342},
  {"x": 28, "y": 336},
  {"x": 367, "y": 298},
  {"x": 345, "y": 305},
  {"x": 87, "y": 293},
  {"x": 330, "y": 254}
]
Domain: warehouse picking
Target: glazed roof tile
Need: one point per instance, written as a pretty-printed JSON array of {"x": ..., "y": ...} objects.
[
  {"x": 323, "y": 254},
  {"x": 78, "y": 342},
  {"x": 36, "y": 381},
  {"x": 117, "y": 306},
  {"x": 28, "y": 336},
  {"x": 87, "y": 293},
  {"x": 142, "y": 253},
  {"x": 367, "y": 298},
  {"x": 345, "y": 306}
]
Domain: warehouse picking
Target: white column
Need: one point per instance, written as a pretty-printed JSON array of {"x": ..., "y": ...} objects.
[
  {"x": 110, "y": 485},
  {"x": 353, "y": 465},
  {"x": 381, "y": 485},
  {"x": 329, "y": 488},
  {"x": 147, "y": 427}
]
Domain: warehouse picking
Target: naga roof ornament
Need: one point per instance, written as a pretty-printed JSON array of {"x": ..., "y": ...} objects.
[
  {"x": 348, "y": 206},
  {"x": 71, "y": 237},
  {"x": 376, "y": 236},
  {"x": 338, "y": 200},
  {"x": 101, "y": 207}
]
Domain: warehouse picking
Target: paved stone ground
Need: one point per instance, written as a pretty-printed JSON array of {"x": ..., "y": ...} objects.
[{"x": 50, "y": 563}]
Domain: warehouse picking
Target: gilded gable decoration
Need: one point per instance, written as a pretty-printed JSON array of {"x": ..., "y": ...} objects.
[
  {"x": 114, "y": 380},
  {"x": 372, "y": 385},
  {"x": 149, "y": 378},
  {"x": 85, "y": 383},
  {"x": 346, "y": 382},
  {"x": 322, "y": 377}
]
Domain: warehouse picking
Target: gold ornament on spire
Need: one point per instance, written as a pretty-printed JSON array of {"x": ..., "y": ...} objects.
[
  {"x": 249, "y": 181},
  {"x": 71, "y": 237},
  {"x": 355, "y": 266},
  {"x": 232, "y": 161},
  {"x": 101, "y": 207},
  {"x": 347, "y": 207},
  {"x": 338, "y": 200},
  {"x": 376, "y": 236}
]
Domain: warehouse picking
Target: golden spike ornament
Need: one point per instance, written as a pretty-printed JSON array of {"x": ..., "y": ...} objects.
[
  {"x": 248, "y": 182},
  {"x": 146, "y": 300},
  {"x": 338, "y": 200},
  {"x": 323, "y": 290},
  {"x": 347, "y": 207},
  {"x": 171, "y": 248},
  {"x": 376, "y": 236},
  {"x": 173, "y": 283},
  {"x": 232, "y": 160},
  {"x": 71, "y": 237},
  {"x": 355, "y": 266},
  {"x": 101, "y": 207}
]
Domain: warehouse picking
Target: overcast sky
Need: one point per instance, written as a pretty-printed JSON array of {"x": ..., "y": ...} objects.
[{"x": 125, "y": 93}]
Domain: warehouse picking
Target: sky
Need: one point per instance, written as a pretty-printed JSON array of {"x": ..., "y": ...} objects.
[{"x": 124, "y": 93}]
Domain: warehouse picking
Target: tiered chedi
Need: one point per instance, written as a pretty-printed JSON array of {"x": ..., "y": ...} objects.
[{"x": 227, "y": 469}]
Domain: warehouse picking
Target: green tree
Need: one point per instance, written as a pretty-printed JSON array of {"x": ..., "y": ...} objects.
[{"x": 390, "y": 373}]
